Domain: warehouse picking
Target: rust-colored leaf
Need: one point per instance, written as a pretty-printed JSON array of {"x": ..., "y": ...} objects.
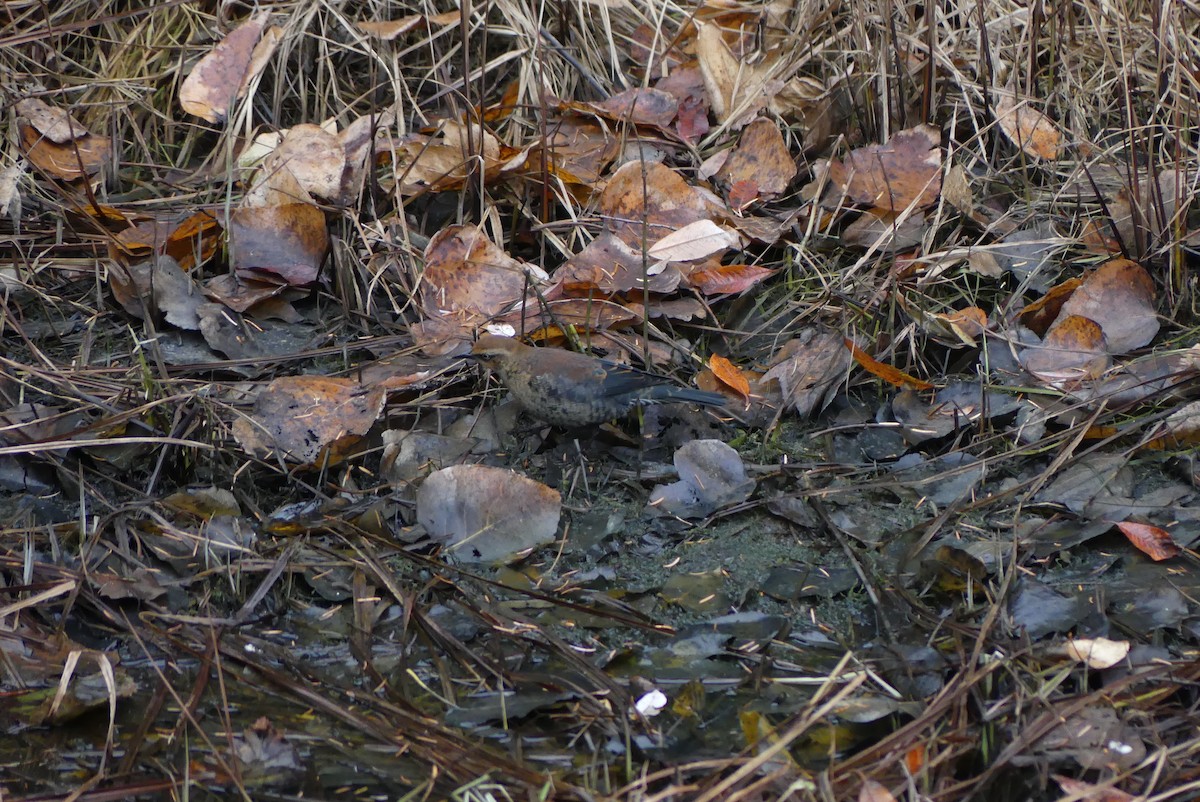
[
  {"x": 1150, "y": 540},
  {"x": 1119, "y": 297},
  {"x": 730, "y": 375},
  {"x": 80, "y": 157},
  {"x": 1029, "y": 129},
  {"x": 1074, "y": 350},
  {"x": 727, "y": 279},
  {"x": 889, "y": 374},
  {"x": 1040, "y": 315}
]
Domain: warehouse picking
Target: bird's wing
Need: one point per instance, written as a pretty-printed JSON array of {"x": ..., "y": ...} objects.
[{"x": 621, "y": 379}]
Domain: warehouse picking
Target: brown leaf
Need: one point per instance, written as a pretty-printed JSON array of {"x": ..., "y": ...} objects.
[
  {"x": 464, "y": 270},
  {"x": 80, "y": 157},
  {"x": 1029, "y": 129},
  {"x": 218, "y": 78},
  {"x": 313, "y": 420},
  {"x": 1150, "y": 540},
  {"x": 808, "y": 368},
  {"x": 726, "y": 279},
  {"x": 289, "y": 241},
  {"x": 1040, "y": 315},
  {"x": 314, "y": 157},
  {"x": 1119, "y": 296},
  {"x": 638, "y": 106},
  {"x": 905, "y": 171},
  {"x": 762, "y": 160},
  {"x": 1073, "y": 351}
]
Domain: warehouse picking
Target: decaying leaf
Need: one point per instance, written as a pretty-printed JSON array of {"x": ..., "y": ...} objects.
[
  {"x": 483, "y": 514},
  {"x": 1073, "y": 351},
  {"x": 1029, "y": 129},
  {"x": 761, "y": 163},
  {"x": 219, "y": 78},
  {"x": 907, "y": 171},
  {"x": 311, "y": 420},
  {"x": 711, "y": 476}
]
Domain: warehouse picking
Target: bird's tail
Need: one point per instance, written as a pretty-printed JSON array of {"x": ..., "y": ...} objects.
[{"x": 665, "y": 394}]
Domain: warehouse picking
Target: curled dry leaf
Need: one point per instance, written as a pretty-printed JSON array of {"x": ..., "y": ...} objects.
[
  {"x": 444, "y": 160},
  {"x": 1027, "y": 128},
  {"x": 484, "y": 514},
  {"x": 737, "y": 89},
  {"x": 77, "y": 158},
  {"x": 219, "y": 78},
  {"x": 887, "y": 232}
]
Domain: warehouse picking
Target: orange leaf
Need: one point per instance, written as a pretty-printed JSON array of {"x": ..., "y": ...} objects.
[
  {"x": 888, "y": 373},
  {"x": 730, "y": 375},
  {"x": 1150, "y": 540},
  {"x": 914, "y": 758},
  {"x": 727, "y": 279}
]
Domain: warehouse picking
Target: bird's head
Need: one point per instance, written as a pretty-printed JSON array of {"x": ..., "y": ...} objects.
[{"x": 493, "y": 351}]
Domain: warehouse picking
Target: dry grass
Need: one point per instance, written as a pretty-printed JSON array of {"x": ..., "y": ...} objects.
[{"x": 1120, "y": 78}]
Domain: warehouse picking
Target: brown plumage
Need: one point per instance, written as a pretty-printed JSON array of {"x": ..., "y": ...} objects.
[{"x": 570, "y": 389}]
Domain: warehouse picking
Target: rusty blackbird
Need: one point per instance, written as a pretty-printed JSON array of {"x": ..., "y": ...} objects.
[{"x": 571, "y": 389}]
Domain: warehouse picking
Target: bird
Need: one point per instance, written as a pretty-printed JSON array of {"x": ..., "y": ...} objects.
[{"x": 569, "y": 389}]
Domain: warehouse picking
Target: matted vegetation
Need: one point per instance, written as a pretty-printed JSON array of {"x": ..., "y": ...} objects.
[{"x": 939, "y": 256}]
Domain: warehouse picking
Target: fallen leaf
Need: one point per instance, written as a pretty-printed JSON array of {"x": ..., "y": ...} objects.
[
  {"x": 289, "y": 241},
  {"x": 483, "y": 514},
  {"x": 1097, "y": 653},
  {"x": 1156, "y": 543},
  {"x": 1027, "y": 128},
  {"x": 694, "y": 241},
  {"x": 1119, "y": 297},
  {"x": 760, "y": 164},
  {"x": 907, "y": 171},
  {"x": 311, "y": 420},
  {"x": 726, "y": 279},
  {"x": 730, "y": 375},
  {"x": 888, "y": 373},
  {"x": 1074, "y": 350},
  {"x": 217, "y": 80}
]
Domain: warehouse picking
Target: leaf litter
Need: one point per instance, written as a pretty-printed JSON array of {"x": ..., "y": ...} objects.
[{"x": 940, "y": 537}]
